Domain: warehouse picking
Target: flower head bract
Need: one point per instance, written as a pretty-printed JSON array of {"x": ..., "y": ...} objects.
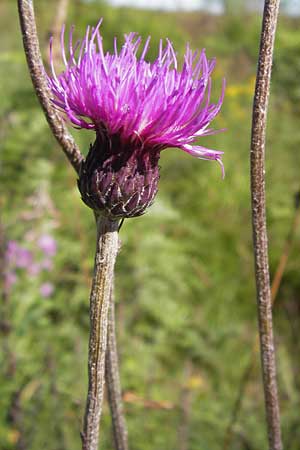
[{"x": 137, "y": 109}]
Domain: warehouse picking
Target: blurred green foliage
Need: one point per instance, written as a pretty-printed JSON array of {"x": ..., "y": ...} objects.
[{"x": 186, "y": 306}]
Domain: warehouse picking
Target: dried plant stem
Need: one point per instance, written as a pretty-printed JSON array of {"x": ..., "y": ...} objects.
[
  {"x": 68, "y": 145},
  {"x": 260, "y": 239},
  {"x": 106, "y": 253},
  {"x": 35, "y": 65},
  {"x": 113, "y": 382}
]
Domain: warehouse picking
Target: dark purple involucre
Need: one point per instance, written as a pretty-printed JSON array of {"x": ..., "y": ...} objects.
[{"x": 137, "y": 109}]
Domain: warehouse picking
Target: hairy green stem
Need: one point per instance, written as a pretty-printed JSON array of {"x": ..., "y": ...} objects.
[{"x": 105, "y": 257}]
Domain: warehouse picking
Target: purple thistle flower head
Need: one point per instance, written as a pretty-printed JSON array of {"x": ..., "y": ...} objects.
[
  {"x": 137, "y": 109},
  {"x": 48, "y": 245},
  {"x": 9, "y": 280},
  {"x": 12, "y": 252},
  {"x": 46, "y": 289},
  {"x": 18, "y": 256}
]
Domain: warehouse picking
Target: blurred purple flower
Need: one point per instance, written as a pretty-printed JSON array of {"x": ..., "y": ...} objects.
[
  {"x": 137, "y": 109},
  {"x": 47, "y": 244},
  {"x": 34, "y": 269},
  {"x": 23, "y": 258},
  {"x": 10, "y": 280},
  {"x": 18, "y": 256},
  {"x": 11, "y": 251},
  {"x": 46, "y": 289}
]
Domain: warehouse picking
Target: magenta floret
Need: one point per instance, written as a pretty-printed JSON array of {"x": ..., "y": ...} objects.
[
  {"x": 153, "y": 103},
  {"x": 144, "y": 107}
]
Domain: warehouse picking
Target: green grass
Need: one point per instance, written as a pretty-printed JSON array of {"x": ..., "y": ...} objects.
[{"x": 185, "y": 286}]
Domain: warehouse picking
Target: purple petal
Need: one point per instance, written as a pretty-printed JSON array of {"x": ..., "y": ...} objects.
[
  {"x": 150, "y": 104},
  {"x": 46, "y": 289},
  {"x": 48, "y": 245}
]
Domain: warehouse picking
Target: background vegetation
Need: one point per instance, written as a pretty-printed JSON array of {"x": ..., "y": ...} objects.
[{"x": 185, "y": 290}]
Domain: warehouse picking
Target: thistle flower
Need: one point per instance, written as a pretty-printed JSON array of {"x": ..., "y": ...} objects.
[
  {"x": 137, "y": 109},
  {"x": 48, "y": 245},
  {"x": 46, "y": 289}
]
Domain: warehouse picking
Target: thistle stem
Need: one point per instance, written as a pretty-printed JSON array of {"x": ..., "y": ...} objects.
[
  {"x": 113, "y": 382},
  {"x": 105, "y": 257},
  {"x": 38, "y": 78},
  {"x": 260, "y": 238}
]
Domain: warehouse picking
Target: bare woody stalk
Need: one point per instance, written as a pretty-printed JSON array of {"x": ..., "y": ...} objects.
[
  {"x": 260, "y": 239},
  {"x": 105, "y": 257},
  {"x": 120, "y": 434},
  {"x": 71, "y": 150},
  {"x": 35, "y": 65}
]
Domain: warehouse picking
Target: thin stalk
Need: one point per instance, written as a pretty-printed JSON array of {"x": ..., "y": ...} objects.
[
  {"x": 105, "y": 257},
  {"x": 113, "y": 382},
  {"x": 38, "y": 78},
  {"x": 59, "y": 131},
  {"x": 260, "y": 238}
]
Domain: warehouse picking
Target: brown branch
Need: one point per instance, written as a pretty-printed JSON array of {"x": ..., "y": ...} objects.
[
  {"x": 106, "y": 253},
  {"x": 36, "y": 70},
  {"x": 260, "y": 238},
  {"x": 113, "y": 382},
  {"x": 147, "y": 403},
  {"x": 66, "y": 141}
]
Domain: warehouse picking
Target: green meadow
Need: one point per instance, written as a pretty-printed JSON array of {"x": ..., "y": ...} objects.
[{"x": 185, "y": 289}]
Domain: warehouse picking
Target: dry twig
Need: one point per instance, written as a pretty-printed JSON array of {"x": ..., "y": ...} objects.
[
  {"x": 106, "y": 253},
  {"x": 67, "y": 143},
  {"x": 260, "y": 239}
]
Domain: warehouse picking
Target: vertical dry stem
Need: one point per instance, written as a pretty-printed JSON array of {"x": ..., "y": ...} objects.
[
  {"x": 260, "y": 239},
  {"x": 113, "y": 383},
  {"x": 67, "y": 143},
  {"x": 106, "y": 253}
]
